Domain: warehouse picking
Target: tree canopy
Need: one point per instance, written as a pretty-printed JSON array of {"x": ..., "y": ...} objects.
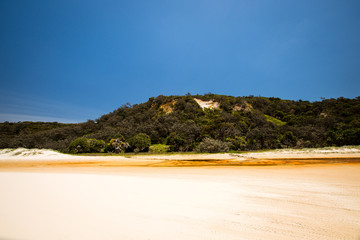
[{"x": 246, "y": 123}]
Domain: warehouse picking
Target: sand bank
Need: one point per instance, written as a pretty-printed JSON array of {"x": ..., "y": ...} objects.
[
  {"x": 16, "y": 158},
  {"x": 273, "y": 202}
]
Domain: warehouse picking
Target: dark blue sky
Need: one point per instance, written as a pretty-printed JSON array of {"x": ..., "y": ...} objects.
[{"x": 70, "y": 61}]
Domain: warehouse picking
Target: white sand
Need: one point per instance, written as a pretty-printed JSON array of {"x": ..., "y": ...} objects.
[
  {"x": 23, "y": 154},
  {"x": 314, "y": 202},
  {"x": 306, "y": 153},
  {"x": 207, "y": 104}
]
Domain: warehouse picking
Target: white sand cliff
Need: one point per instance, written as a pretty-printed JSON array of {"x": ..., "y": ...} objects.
[{"x": 207, "y": 104}]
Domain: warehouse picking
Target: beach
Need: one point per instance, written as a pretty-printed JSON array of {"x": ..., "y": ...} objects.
[{"x": 97, "y": 201}]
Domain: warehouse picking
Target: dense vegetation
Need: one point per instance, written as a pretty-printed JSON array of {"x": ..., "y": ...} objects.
[{"x": 178, "y": 123}]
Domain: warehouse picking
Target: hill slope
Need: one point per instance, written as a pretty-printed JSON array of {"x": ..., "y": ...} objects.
[{"x": 182, "y": 122}]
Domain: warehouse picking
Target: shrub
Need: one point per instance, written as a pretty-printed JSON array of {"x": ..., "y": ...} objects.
[
  {"x": 116, "y": 145},
  {"x": 237, "y": 143},
  {"x": 140, "y": 142},
  {"x": 79, "y": 145},
  {"x": 96, "y": 145},
  {"x": 175, "y": 141},
  {"x": 275, "y": 121},
  {"x": 85, "y": 145},
  {"x": 159, "y": 148},
  {"x": 288, "y": 139},
  {"x": 211, "y": 146}
]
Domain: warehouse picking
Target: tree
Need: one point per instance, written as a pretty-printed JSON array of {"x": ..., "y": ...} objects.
[
  {"x": 288, "y": 139},
  {"x": 117, "y": 146},
  {"x": 85, "y": 145},
  {"x": 96, "y": 145},
  {"x": 237, "y": 143},
  {"x": 176, "y": 142},
  {"x": 140, "y": 142},
  {"x": 79, "y": 145},
  {"x": 264, "y": 122}
]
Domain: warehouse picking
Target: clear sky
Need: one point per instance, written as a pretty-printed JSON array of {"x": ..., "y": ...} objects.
[{"x": 74, "y": 60}]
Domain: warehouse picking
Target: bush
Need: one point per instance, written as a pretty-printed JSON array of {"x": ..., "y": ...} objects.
[
  {"x": 237, "y": 143},
  {"x": 288, "y": 139},
  {"x": 84, "y": 145},
  {"x": 211, "y": 146},
  {"x": 116, "y": 145},
  {"x": 160, "y": 148},
  {"x": 175, "y": 141},
  {"x": 79, "y": 145},
  {"x": 96, "y": 145},
  {"x": 140, "y": 142}
]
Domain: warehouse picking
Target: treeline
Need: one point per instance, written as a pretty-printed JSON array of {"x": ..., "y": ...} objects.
[{"x": 178, "y": 123}]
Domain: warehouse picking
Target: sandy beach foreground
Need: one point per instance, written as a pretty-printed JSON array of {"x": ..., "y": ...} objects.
[
  {"x": 272, "y": 202},
  {"x": 271, "y": 195}
]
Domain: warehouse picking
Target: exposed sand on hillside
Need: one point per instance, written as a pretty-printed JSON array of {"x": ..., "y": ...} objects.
[
  {"x": 273, "y": 202},
  {"x": 207, "y": 104}
]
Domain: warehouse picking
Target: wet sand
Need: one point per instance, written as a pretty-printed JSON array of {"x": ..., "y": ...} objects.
[{"x": 95, "y": 201}]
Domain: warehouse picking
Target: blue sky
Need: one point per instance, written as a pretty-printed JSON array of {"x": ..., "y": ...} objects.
[{"x": 70, "y": 61}]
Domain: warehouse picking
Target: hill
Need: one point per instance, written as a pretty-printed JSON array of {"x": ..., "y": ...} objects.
[{"x": 183, "y": 122}]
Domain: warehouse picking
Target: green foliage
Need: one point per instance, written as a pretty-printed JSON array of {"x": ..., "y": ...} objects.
[
  {"x": 79, "y": 145},
  {"x": 140, "y": 142},
  {"x": 288, "y": 139},
  {"x": 209, "y": 145},
  {"x": 275, "y": 121},
  {"x": 85, "y": 145},
  {"x": 237, "y": 143},
  {"x": 159, "y": 148},
  {"x": 96, "y": 145},
  {"x": 176, "y": 142},
  {"x": 116, "y": 146},
  {"x": 248, "y": 123}
]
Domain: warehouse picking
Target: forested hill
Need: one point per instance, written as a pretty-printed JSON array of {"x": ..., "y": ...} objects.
[{"x": 182, "y": 122}]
